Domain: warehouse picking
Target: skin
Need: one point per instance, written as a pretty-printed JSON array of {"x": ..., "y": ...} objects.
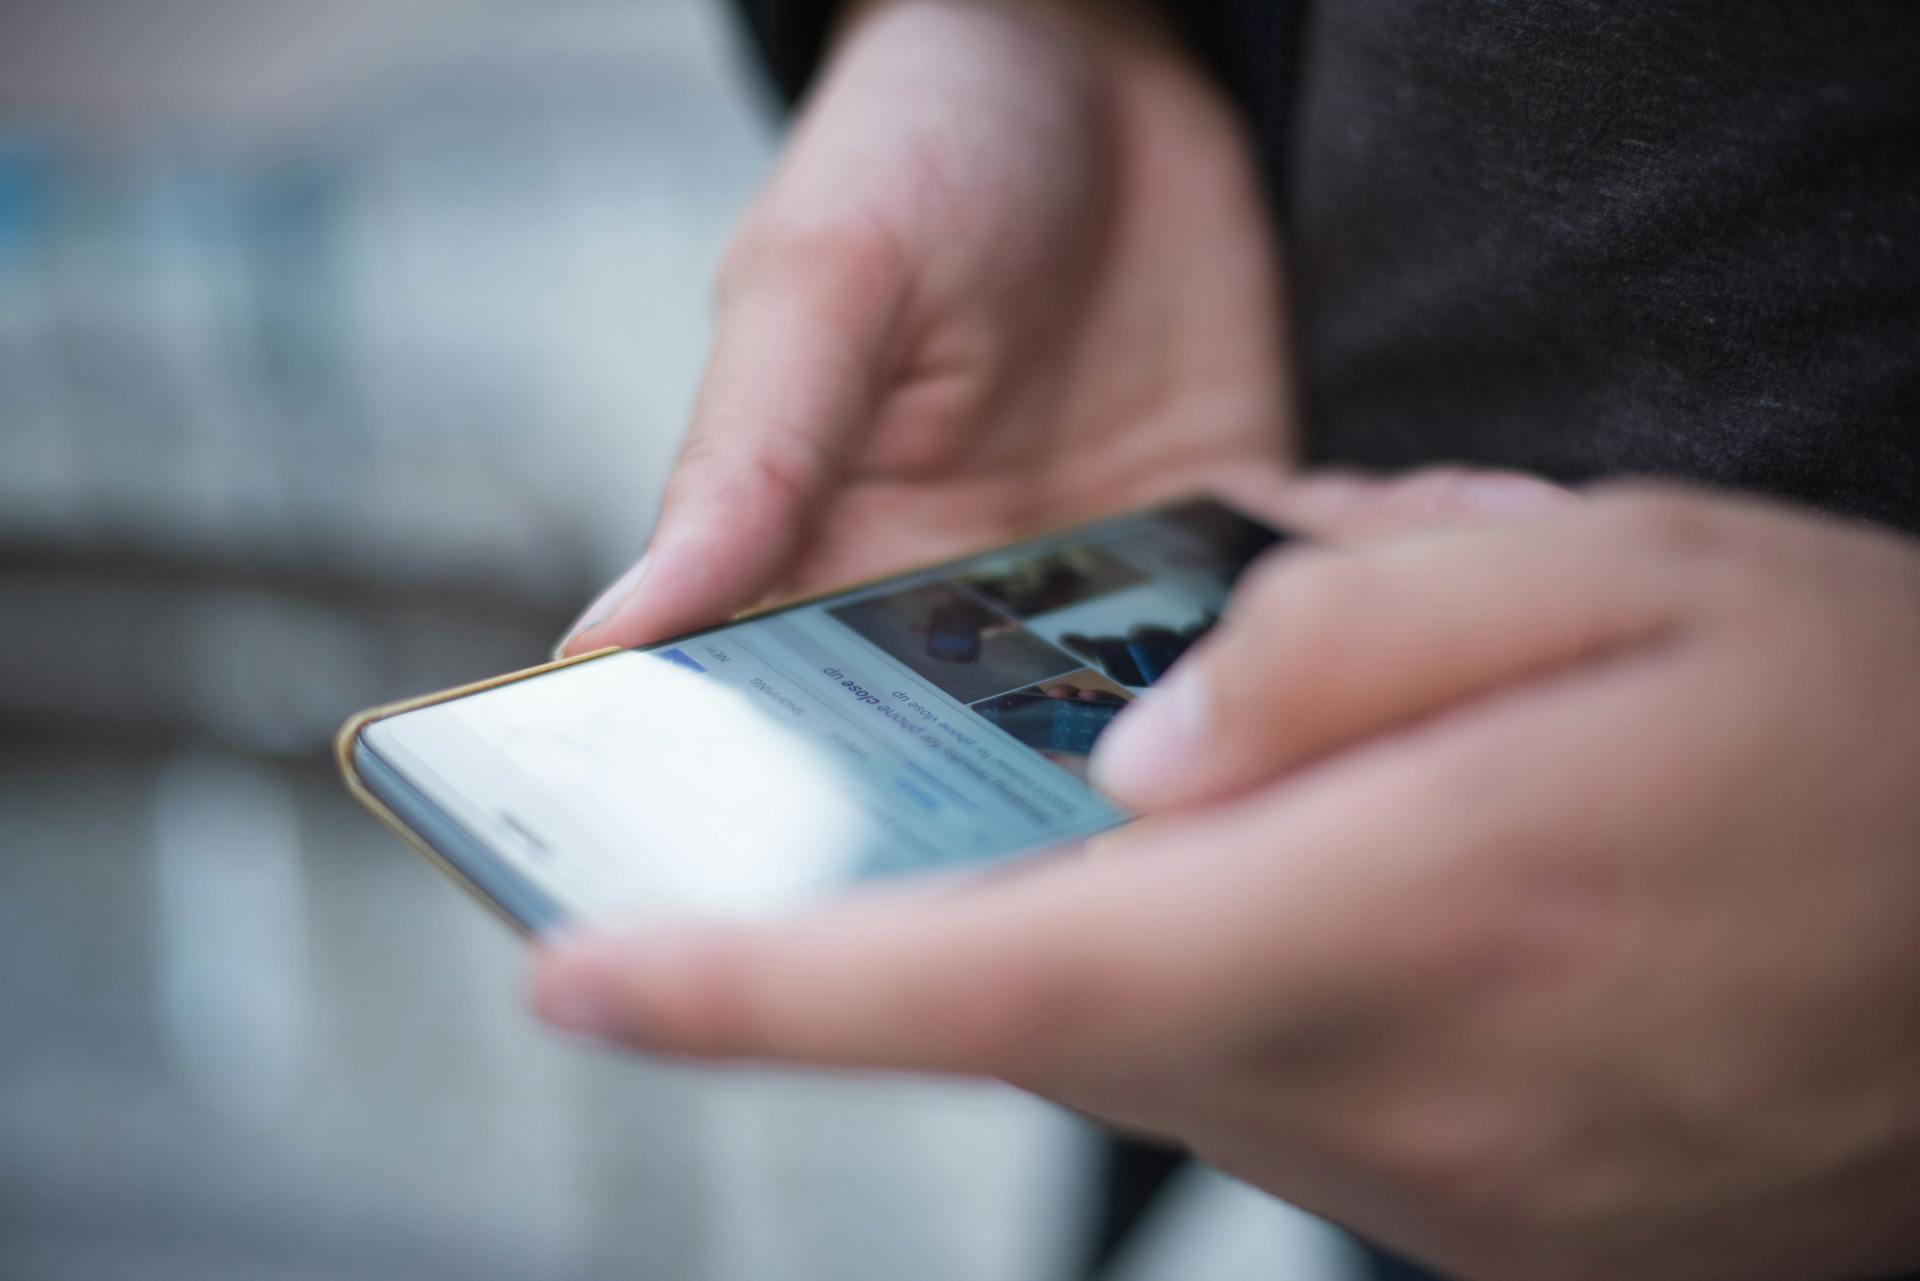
[
  {"x": 1529, "y": 881},
  {"x": 1034, "y": 286}
]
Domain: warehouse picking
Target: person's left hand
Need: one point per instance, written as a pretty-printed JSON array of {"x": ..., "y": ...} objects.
[{"x": 1539, "y": 897}]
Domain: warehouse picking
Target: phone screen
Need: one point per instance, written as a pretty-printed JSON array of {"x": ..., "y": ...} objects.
[{"x": 936, "y": 721}]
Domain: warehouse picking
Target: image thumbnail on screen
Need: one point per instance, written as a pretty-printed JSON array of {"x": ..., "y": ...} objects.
[{"x": 1050, "y": 644}]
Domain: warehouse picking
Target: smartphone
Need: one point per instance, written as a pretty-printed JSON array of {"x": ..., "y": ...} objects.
[{"x": 932, "y": 722}]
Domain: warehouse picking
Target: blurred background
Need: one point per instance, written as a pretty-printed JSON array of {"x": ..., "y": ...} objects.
[{"x": 343, "y": 348}]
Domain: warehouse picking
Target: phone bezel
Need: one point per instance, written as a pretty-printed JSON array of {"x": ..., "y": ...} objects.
[{"x": 467, "y": 860}]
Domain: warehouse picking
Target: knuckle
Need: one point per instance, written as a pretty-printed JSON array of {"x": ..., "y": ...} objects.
[
  {"x": 784, "y": 469},
  {"x": 777, "y": 252},
  {"x": 1021, "y": 1015},
  {"x": 764, "y": 469}
]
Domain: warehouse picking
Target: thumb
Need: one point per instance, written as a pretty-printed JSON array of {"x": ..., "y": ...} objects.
[
  {"x": 1325, "y": 647},
  {"x": 802, "y": 332}
]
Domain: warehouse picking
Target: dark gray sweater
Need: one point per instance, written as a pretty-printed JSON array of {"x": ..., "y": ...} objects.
[{"x": 1584, "y": 238}]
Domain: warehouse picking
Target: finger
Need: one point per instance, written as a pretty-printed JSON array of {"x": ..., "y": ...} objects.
[
  {"x": 1289, "y": 919},
  {"x": 1016, "y": 976},
  {"x": 1322, "y": 648},
  {"x": 1344, "y": 506},
  {"x": 802, "y": 335}
]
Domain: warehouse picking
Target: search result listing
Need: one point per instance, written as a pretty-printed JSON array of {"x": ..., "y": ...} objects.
[{"x": 942, "y": 784}]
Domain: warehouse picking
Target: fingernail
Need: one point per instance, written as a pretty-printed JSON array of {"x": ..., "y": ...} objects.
[
  {"x": 1504, "y": 493},
  {"x": 605, "y": 604},
  {"x": 1153, "y": 738}
]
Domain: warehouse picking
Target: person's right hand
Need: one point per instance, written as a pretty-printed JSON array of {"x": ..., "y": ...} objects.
[
  {"x": 1533, "y": 894},
  {"x": 1012, "y": 272}
]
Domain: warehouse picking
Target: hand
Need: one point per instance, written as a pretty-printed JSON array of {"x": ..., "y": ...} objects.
[
  {"x": 1013, "y": 271},
  {"x": 1543, "y": 903}
]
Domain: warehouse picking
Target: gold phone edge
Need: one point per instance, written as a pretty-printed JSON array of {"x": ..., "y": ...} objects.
[{"x": 357, "y": 723}]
